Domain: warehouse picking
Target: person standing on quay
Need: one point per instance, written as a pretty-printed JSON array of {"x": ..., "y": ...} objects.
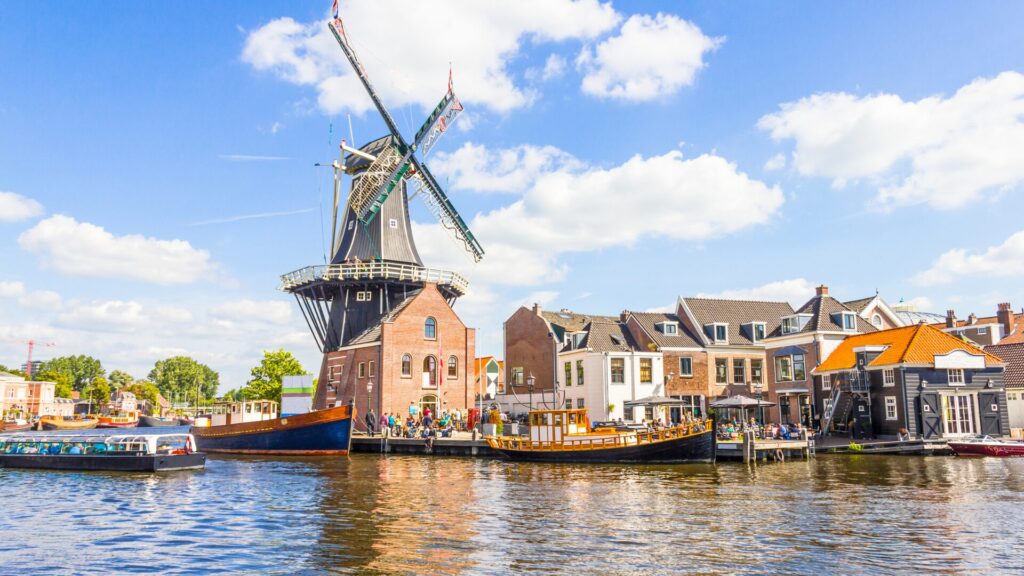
[
  {"x": 384, "y": 428},
  {"x": 371, "y": 422}
]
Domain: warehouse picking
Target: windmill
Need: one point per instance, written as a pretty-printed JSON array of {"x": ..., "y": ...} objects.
[{"x": 375, "y": 268}]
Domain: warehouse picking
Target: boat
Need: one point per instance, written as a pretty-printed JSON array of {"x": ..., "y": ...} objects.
[
  {"x": 126, "y": 420},
  {"x": 97, "y": 451},
  {"x": 15, "y": 425},
  {"x": 155, "y": 422},
  {"x": 566, "y": 436},
  {"x": 253, "y": 427},
  {"x": 986, "y": 446},
  {"x": 62, "y": 423}
]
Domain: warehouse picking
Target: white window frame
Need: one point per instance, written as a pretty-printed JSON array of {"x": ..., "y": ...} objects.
[
  {"x": 753, "y": 331},
  {"x": 714, "y": 332},
  {"x": 853, "y": 321},
  {"x": 888, "y": 377},
  {"x": 793, "y": 325},
  {"x": 580, "y": 403},
  {"x": 876, "y": 320},
  {"x": 686, "y": 373},
  {"x": 826, "y": 381},
  {"x": 982, "y": 330},
  {"x": 960, "y": 380},
  {"x": 890, "y": 408}
]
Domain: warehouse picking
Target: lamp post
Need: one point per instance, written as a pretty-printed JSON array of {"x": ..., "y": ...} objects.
[
  {"x": 529, "y": 386},
  {"x": 369, "y": 391},
  {"x": 758, "y": 387},
  {"x": 671, "y": 374}
]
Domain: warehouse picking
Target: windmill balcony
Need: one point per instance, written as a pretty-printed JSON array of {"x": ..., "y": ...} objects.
[{"x": 372, "y": 271}]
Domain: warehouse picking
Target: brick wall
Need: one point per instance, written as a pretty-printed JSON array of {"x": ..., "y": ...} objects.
[
  {"x": 678, "y": 385},
  {"x": 529, "y": 345},
  {"x": 811, "y": 361}
]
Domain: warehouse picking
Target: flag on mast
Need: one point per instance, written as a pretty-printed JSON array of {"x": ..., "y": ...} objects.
[{"x": 334, "y": 9}]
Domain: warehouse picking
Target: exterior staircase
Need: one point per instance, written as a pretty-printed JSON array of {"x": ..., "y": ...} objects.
[{"x": 846, "y": 387}]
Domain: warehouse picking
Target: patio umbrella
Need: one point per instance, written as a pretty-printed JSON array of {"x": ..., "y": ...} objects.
[{"x": 740, "y": 401}]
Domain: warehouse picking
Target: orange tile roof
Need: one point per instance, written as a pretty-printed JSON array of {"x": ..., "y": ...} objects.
[{"x": 916, "y": 344}]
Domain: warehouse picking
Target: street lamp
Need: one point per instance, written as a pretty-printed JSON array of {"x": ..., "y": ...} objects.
[
  {"x": 758, "y": 387},
  {"x": 529, "y": 386},
  {"x": 369, "y": 391}
]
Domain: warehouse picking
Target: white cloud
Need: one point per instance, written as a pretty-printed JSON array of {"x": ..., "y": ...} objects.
[
  {"x": 512, "y": 170},
  {"x": 650, "y": 58},
  {"x": 776, "y": 162},
  {"x": 796, "y": 291},
  {"x": 553, "y": 67},
  {"x": 82, "y": 249},
  {"x": 479, "y": 39},
  {"x": 567, "y": 206},
  {"x": 247, "y": 311},
  {"x": 1002, "y": 261},
  {"x": 945, "y": 152},
  {"x": 124, "y": 316},
  {"x": 41, "y": 300},
  {"x": 15, "y": 207},
  {"x": 9, "y": 289}
]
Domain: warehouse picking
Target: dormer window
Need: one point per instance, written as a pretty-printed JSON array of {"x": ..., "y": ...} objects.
[
  {"x": 790, "y": 325},
  {"x": 669, "y": 328},
  {"x": 757, "y": 331},
  {"x": 720, "y": 333},
  {"x": 849, "y": 321}
]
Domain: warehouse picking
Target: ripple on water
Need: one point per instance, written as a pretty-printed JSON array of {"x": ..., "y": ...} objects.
[{"x": 370, "y": 514}]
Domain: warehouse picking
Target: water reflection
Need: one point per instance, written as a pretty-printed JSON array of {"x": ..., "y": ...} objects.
[{"x": 409, "y": 515}]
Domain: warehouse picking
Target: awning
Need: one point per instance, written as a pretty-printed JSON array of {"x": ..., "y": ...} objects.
[
  {"x": 788, "y": 351},
  {"x": 792, "y": 391},
  {"x": 654, "y": 401},
  {"x": 740, "y": 401}
]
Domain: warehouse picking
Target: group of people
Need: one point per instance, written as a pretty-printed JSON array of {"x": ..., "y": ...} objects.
[
  {"x": 731, "y": 430},
  {"x": 417, "y": 424}
]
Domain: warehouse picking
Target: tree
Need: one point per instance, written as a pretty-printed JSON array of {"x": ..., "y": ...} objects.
[
  {"x": 181, "y": 377},
  {"x": 120, "y": 379},
  {"x": 146, "y": 391},
  {"x": 63, "y": 386},
  {"x": 14, "y": 371},
  {"x": 80, "y": 369},
  {"x": 232, "y": 396},
  {"x": 97, "y": 392},
  {"x": 267, "y": 376}
]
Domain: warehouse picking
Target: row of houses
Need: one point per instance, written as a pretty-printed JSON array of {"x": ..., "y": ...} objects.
[
  {"x": 21, "y": 398},
  {"x": 828, "y": 364}
]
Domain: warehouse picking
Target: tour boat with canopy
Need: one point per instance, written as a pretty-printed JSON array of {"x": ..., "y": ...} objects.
[
  {"x": 566, "y": 436},
  {"x": 97, "y": 451}
]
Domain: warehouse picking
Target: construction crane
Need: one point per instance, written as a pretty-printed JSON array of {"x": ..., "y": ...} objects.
[{"x": 32, "y": 343}]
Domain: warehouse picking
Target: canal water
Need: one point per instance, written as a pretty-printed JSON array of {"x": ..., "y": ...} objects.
[{"x": 414, "y": 515}]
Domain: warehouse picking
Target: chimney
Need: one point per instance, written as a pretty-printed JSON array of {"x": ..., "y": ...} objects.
[
  {"x": 623, "y": 315},
  {"x": 1006, "y": 317},
  {"x": 536, "y": 308},
  {"x": 972, "y": 319},
  {"x": 950, "y": 319},
  {"x": 821, "y": 290}
]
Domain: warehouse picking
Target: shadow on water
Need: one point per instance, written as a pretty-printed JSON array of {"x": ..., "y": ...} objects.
[{"x": 412, "y": 515}]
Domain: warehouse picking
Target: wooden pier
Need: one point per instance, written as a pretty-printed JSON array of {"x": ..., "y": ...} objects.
[
  {"x": 918, "y": 447},
  {"x": 750, "y": 449},
  {"x": 439, "y": 447}
]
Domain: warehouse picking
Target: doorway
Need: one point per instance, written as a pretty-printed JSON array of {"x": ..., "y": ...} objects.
[
  {"x": 430, "y": 372},
  {"x": 958, "y": 412},
  {"x": 429, "y": 402}
]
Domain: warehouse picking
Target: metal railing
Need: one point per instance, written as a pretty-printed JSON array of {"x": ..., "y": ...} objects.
[
  {"x": 373, "y": 271},
  {"x": 582, "y": 442}
]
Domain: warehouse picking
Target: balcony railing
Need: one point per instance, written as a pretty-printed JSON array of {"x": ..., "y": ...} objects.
[{"x": 373, "y": 271}]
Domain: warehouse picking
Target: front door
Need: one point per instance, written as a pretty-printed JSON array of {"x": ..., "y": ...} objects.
[
  {"x": 931, "y": 417},
  {"x": 988, "y": 408},
  {"x": 784, "y": 413},
  {"x": 805, "y": 410},
  {"x": 958, "y": 412}
]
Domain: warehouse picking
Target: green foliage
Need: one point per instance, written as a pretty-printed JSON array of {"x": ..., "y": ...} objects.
[
  {"x": 120, "y": 379},
  {"x": 180, "y": 377},
  {"x": 147, "y": 391},
  {"x": 14, "y": 371},
  {"x": 97, "y": 392},
  {"x": 80, "y": 370},
  {"x": 266, "y": 377},
  {"x": 232, "y": 396},
  {"x": 63, "y": 386}
]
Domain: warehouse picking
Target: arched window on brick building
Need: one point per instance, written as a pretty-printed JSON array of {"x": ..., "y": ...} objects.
[
  {"x": 429, "y": 372},
  {"x": 430, "y": 328},
  {"x": 407, "y": 365},
  {"x": 453, "y": 367}
]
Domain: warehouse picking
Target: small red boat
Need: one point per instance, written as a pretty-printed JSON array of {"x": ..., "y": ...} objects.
[
  {"x": 987, "y": 446},
  {"x": 15, "y": 425}
]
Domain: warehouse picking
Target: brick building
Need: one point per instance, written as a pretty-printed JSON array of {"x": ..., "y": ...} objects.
[
  {"x": 684, "y": 358},
  {"x": 421, "y": 353},
  {"x": 796, "y": 347}
]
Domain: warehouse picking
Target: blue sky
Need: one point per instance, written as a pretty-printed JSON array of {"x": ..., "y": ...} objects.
[{"x": 611, "y": 156}]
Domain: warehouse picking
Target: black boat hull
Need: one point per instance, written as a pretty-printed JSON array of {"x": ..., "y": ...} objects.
[
  {"x": 154, "y": 422},
  {"x": 104, "y": 462},
  {"x": 695, "y": 448}
]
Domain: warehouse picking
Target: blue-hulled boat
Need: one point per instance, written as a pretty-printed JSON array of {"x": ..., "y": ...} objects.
[{"x": 253, "y": 427}]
